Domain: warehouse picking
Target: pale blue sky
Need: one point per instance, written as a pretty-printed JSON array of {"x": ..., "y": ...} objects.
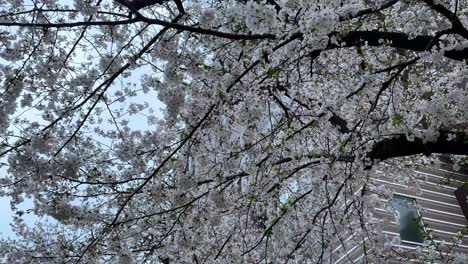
[{"x": 135, "y": 122}]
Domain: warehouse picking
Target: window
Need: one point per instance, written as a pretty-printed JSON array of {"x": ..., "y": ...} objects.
[{"x": 411, "y": 230}]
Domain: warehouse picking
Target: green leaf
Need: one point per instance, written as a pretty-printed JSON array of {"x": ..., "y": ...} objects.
[
  {"x": 427, "y": 95},
  {"x": 397, "y": 120},
  {"x": 251, "y": 197}
]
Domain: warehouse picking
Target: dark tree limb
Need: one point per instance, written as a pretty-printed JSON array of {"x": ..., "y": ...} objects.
[
  {"x": 139, "y": 4},
  {"x": 275, "y": 4},
  {"x": 369, "y": 11},
  {"x": 387, "y": 84},
  {"x": 457, "y": 25},
  {"x": 400, "y": 41},
  {"x": 339, "y": 123},
  {"x": 350, "y": 39},
  {"x": 180, "y": 7},
  {"x": 401, "y": 147}
]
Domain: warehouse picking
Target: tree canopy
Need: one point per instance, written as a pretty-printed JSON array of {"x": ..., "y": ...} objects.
[{"x": 277, "y": 115}]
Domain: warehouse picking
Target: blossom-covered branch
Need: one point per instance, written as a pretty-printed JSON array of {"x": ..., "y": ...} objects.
[{"x": 166, "y": 131}]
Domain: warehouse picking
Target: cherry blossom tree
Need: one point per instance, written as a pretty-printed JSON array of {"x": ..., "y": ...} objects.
[{"x": 277, "y": 114}]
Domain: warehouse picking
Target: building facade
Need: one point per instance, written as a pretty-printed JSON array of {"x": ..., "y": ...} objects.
[{"x": 427, "y": 221}]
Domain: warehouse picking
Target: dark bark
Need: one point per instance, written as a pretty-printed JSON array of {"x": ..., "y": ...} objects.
[
  {"x": 340, "y": 123},
  {"x": 457, "y": 25},
  {"x": 275, "y": 4},
  {"x": 401, "y": 147},
  {"x": 139, "y": 4},
  {"x": 399, "y": 40}
]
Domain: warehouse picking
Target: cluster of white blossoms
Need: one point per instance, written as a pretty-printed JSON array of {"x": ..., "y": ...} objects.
[
  {"x": 277, "y": 114},
  {"x": 86, "y": 7},
  {"x": 259, "y": 17}
]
